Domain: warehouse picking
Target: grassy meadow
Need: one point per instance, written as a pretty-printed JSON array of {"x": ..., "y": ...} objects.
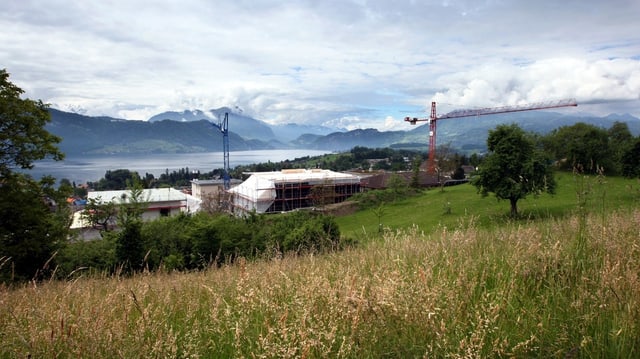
[
  {"x": 449, "y": 206},
  {"x": 564, "y": 282}
]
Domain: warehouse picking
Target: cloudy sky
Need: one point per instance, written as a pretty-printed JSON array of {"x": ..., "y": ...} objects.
[{"x": 348, "y": 63}]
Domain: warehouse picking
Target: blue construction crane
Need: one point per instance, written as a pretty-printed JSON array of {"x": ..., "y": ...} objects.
[{"x": 223, "y": 126}]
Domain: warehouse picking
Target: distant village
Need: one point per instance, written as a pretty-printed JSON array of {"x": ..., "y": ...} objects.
[{"x": 262, "y": 192}]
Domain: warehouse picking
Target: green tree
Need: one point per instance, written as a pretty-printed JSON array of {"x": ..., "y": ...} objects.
[
  {"x": 116, "y": 180},
  {"x": 132, "y": 205},
  {"x": 458, "y": 174},
  {"x": 581, "y": 145},
  {"x": 100, "y": 215},
  {"x": 415, "y": 172},
  {"x": 631, "y": 161},
  {"x": 620, "y": 140},
  {"x": 474, "y": 159},
  {"x": 514, "y": 168},
  {"x": 80, "y": 191},
  {"x": 23, "y": 138},
  {"x": 34, "y": 218},
  {"x": 168, "y": 242},
  {"x": 397, "y": 185},
  {"x": 129, "y": 243},
  {"x": 446, "y": 159}
]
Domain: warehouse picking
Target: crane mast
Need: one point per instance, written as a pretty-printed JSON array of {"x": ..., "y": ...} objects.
[
  {"x": 433, "y": 119},
  {"x": 223, "y": 126}
]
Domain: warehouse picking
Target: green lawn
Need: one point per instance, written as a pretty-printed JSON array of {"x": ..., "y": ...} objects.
[{"x": 457, "y": 206}]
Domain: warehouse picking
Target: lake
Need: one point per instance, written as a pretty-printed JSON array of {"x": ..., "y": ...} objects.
[{"x": 81, "y": 169}]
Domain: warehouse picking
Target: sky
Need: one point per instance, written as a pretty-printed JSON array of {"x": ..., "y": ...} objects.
[{"x": 348, "y": 64}]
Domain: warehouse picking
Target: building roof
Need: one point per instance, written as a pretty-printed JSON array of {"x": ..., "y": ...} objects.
[
  {"x": 216, "y": 182},
  {"x": 313, "y": 176},
  {"x": 148, "y": 195}
]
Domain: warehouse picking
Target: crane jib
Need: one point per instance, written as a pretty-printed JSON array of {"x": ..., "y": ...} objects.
[
  {"x": 506, "y": 109},
  {"x": 477, "y": 112}
]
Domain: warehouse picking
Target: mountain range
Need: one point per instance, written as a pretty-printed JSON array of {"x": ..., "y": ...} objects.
[{"x": 194, "y": 131}]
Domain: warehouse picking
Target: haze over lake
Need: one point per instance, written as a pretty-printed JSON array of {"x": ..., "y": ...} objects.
[{"x": 81, "y": 169}]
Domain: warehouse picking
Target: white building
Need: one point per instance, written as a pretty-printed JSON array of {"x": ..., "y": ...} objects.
[
  {"x": 203, "y": 189},
  {"x": 158, "y": 202},
  {"x": 287, "y": 190}
]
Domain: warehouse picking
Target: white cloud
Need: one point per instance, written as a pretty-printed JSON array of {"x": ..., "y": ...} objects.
[
  {"x": 351, "y": 63},
  {"x": 550, "y": 79}
]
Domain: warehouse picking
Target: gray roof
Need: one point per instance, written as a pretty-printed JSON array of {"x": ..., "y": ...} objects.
[{"x": 148, "y": 195}]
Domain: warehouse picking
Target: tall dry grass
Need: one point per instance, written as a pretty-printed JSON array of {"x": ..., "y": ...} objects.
[{"x": 515, "y": 291}]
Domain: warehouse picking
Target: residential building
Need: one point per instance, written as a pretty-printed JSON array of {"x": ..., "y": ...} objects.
[{"x": 158, "y": 202}]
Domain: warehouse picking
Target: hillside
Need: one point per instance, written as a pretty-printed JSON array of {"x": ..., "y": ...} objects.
[
  {"x": 244, "y": 126},
  {"x": 471, "y": 133},
  {"x": 100, "y": 135},
  {"x": 183, "y": 132},
  {"x": 565, "y": 286}
]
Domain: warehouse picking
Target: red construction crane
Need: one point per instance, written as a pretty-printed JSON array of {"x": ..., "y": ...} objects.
[{"x": 433, "y": 119}]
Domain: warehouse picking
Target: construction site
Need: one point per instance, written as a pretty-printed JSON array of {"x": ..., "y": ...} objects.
[{"x": 287, "y": 190}]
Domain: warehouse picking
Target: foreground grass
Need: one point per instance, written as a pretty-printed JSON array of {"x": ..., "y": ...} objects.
[{"x": 559, "y": 288}]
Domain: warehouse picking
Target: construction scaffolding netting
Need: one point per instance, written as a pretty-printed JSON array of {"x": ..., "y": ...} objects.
[{"x": 287, "y": 190}]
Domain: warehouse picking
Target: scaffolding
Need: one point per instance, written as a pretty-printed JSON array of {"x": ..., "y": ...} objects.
[{"x": 288, "y": 190}]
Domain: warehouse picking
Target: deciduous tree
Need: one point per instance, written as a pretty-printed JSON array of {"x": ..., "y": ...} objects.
[
  {"x": 514, "y": 168},
  {"x": 34, "y": 218},
  {"x": 581, "y": 145},
  {"x": 129, "y": 243},
  {"x": 631, "y": 161},
  {"x": 23, "y": 138},
  {"x": 99, "y": 214},
  {"x": 621, "y": 141}
]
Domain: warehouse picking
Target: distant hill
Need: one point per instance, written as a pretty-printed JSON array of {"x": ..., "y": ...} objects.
[
  {"x": 245, "y": 126},
  {"x": 466, "y": 134},
  {"x": 184, "y": 116},
  {"x": 180, "y": 132},
  {"x": 342, "y": 141},
  {"x": 101, "y": 135},
  {"x": 293, "y": 131},
  {"x": 470, "y": 133}
]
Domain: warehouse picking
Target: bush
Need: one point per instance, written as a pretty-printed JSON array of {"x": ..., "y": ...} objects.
[
  {"x": 92, "y": 256},
  {"x": 186, "y": 242},
  {"x": 167, "y": 242},
  {"x": 311, "y": 234}
]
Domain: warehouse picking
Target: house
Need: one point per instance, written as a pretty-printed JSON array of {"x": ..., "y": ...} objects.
[
  {"x": 287, "y": 190},
  {"x": 203, "y": 189},
  {"x": 158, "y": 202},
  {"x": 468, "y": 170}
]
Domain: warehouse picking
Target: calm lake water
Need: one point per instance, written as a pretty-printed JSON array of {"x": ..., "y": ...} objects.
[{"x": 93, "y": 167}]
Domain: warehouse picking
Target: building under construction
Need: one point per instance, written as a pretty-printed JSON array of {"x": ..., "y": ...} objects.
[{"x": 287, "y": 190}]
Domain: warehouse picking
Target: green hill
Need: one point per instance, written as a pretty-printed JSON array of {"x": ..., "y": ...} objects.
[
  {"x": 99, "y": 135},
  {"x": 461, "y": 205}
]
